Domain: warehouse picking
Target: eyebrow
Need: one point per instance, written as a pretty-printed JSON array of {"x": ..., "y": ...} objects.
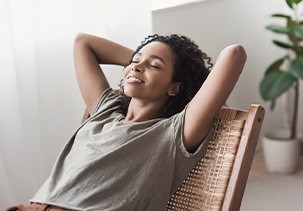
[{"x": 153, "y": 56}]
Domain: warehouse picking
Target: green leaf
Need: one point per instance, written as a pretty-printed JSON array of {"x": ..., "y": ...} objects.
[
  {"x": 275, "y": 65},
  {"x": 289, "y": 3},
  {"x": 275, "y": 83},
  {"x": 298, "y": 31},
  {"x": 278, "y": 29},
  {"x": 297, "y": 1},
  {"x": 282, "y": 44},
  {"x": 278, "y": 15},
  {"x": 297, "y": 67}
]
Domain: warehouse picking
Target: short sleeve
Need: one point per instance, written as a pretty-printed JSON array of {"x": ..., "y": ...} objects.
[
  {"x": 107, "y": 100},
  {"x": 184, "y": 160},
  {"x": 178, "y": 122}
]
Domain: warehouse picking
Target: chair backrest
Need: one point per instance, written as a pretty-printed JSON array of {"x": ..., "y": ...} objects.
[{"x": 218, "y": 181}]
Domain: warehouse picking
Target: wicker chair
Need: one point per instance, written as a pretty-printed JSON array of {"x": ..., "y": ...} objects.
[{"x": 218, "y": 181}]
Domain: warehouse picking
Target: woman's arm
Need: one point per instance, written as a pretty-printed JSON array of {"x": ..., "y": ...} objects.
[
  {"x": 212, "y": 95},
  {"x": 89, "y": 52}
]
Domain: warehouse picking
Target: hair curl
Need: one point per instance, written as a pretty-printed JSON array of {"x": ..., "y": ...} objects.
[{"x": 189, "y": 69}]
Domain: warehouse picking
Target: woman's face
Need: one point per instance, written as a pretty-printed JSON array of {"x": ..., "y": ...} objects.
[{"x": 149, "y": 75}]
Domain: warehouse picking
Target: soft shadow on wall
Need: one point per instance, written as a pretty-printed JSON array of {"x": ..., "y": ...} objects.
[{"x": 214, "y": 24}]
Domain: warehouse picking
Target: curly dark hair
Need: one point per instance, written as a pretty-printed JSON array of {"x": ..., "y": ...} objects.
[{"x": 189, "y": 69}]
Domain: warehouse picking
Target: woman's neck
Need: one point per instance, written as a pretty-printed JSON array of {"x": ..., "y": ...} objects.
[{"x": 139, "y": 111}]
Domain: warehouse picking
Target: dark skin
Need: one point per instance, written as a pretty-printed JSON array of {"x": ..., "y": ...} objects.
[{"x": 148, "y": 81}]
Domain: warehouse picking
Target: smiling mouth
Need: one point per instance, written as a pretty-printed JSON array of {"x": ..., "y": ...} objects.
[{"x": 132, "y": 79}]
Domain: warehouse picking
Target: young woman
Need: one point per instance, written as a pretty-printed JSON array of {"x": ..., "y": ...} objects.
[{"x": 139, "y": 144}]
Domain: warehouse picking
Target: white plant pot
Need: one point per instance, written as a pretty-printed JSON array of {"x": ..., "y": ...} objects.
[{"x": 281, "y": 154}]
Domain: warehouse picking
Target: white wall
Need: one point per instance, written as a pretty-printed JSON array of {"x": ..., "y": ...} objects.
[
  {"x": 214, "y": 24},
  {"x": 40, "y": 103},
  {"x": 164, "y": 4},
  {"x": 57, "y": 24}
]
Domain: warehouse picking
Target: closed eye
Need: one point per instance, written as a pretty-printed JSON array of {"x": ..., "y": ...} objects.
[{"x": 154, "y": 66}]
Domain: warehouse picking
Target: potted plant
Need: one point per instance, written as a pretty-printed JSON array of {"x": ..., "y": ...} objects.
[{"x": 282, "y": 76}]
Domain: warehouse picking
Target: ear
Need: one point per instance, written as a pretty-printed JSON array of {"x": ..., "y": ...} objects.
[{"x": 174, "y": 89}]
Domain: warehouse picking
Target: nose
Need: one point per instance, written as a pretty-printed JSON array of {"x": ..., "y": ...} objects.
[{"x": 137, "y": 68}]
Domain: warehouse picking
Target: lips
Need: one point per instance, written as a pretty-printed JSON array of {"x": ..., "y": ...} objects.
[{"x": 134, "y": 79}]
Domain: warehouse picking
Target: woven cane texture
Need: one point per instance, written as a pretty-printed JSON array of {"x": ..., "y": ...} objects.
[{"x": 205, "y": 187}]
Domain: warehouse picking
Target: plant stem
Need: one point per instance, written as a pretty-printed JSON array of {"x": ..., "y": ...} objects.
[{"x": 295, "y": 112}]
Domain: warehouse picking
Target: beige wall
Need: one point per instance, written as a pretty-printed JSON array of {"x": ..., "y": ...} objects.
[{"x": 214, "y": 24}]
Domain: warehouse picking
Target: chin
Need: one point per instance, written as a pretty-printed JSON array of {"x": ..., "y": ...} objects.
[
  {"x": 128, "y": 93},
  {"x": 133, "y": 93}
]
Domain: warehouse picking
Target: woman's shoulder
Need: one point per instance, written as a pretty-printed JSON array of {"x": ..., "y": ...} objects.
[{"x": 109, "y": 98}]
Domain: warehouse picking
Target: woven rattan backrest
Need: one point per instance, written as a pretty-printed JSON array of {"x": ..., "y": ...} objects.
[{"x": 218, "y": 181}]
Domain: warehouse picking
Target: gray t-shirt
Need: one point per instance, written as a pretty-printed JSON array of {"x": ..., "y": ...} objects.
[{"x": 112, "y": 165}]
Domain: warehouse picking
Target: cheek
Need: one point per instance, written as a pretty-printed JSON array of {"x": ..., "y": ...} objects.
[
  {"x": 161, "y": 83},
  {"x": 126, "y": 70},
  {"x": 161, "y": 78}
]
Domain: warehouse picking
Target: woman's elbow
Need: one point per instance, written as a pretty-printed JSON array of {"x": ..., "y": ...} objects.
[
  {"x": 82, "y": 44},
  {"x": 233, "y": 52},
  {"x": 80, "y": 38},
  {"x": 238, "y": 52}
]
